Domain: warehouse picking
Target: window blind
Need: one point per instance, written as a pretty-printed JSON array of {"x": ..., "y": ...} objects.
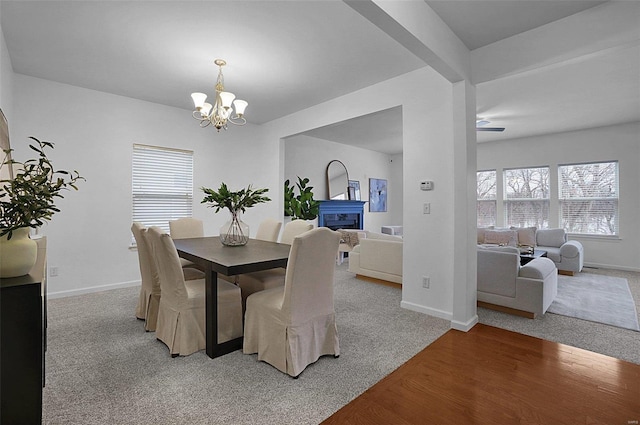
[
  {"x": 589, "y": 198},
  {"x": 486, "y": 198},
  {"x": 527, "y": 197},
  {"x": 162, "y": 185}
]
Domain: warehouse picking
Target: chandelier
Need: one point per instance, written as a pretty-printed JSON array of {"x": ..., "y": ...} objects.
[{"x": 220, "y": 113}]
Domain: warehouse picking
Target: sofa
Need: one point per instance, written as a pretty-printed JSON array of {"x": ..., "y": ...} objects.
[
  {"x": 568, "y": 256},
  {"x": 505, "y": 285},
  {"x": 377, "y": 256}
]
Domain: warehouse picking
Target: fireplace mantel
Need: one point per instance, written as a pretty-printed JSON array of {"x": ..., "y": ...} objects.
[{"x": 341, "y": 214}]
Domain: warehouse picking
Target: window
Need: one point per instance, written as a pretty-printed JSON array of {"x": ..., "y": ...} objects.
[
  {"x": 527, "y": 197},
  {"x": 162, "y": 185},
  {"x": 589, "y": 198},
  {"x": 486, "y": 195}
]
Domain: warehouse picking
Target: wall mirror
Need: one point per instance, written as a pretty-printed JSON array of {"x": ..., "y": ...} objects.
[{"x": 337, "y": 180}]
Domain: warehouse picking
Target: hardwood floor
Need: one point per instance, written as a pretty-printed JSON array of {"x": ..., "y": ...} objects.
[{"x": 494, "y": 376}]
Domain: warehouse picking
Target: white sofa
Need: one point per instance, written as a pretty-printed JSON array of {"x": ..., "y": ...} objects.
[
  {"x": 567, "y": 255},
  {"x": 377, "y": 256},
  {"x": 504, "y": 285}
]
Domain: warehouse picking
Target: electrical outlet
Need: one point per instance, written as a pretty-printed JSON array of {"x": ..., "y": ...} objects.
[
  {"x": 426, "y": 281},
  {"x": 53, "y": 271}
]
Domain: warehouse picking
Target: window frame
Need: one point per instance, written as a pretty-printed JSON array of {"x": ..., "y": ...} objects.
[
  {"x": 487, "y": 200},
  {"x": 542, "y": 221},
  {"x": 151, "y": 166},
  {"x": 563, "y": 200}
]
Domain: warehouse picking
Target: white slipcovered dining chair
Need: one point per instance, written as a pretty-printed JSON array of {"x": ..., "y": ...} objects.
[
  {"x": 251, "y": 283},
  {"x": 290, "y": 327},
  {"x": 181, "y": 314},
  {"x": 269, "y": 230},
  {"x": 186, "y": 228},
  {"x": 147, "y": 308}
]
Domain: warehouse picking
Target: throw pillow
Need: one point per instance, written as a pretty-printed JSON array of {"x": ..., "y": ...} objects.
[
  {"x": 526, "y": 235},
  {"x": 481, "y": 232},
  {"x": 354, "y": 239},
  {"x": 501, "y": 237}
]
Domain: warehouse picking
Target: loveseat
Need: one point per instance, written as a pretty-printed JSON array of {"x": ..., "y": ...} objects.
[
  {"x": 567, "y": 255},
  {"x": 505, "y": 285},
  {"x": 377, "y": 256}
]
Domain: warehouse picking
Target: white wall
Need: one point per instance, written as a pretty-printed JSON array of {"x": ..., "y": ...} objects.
[
  {"x": 427, "y": 102},
  {"x": 94, "y": 132},
  {"x": 6, "y": 79},
  {"x": 308, "y": 157},
  {"x": 618, "y": 142}
]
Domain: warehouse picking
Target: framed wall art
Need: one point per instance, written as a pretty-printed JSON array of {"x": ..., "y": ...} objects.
[
  {"x": 377, "y": 195},
  {"x": 354, "y": 188}
]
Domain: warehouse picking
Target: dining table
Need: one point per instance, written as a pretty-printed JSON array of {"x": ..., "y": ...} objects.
[{"x": 211, "y": 256}]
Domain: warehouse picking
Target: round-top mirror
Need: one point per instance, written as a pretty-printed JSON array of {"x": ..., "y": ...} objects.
[{"x": 337, "y": 180}]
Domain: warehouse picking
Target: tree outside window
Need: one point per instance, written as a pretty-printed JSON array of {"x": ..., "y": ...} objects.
[
  {"x": 589, "y": 198},
  {"x": 527, "y": 197},
  {"x": 486, "y": 196}
]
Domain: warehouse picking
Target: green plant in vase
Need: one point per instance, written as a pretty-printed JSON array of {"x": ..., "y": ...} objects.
[
  {"x": 235, "y": 232},
  {"x": 27, "y": 201},
  {"x": 303, "y": 206}
]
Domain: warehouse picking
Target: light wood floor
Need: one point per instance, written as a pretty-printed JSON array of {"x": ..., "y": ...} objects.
[{"x": 494, "y": 376}]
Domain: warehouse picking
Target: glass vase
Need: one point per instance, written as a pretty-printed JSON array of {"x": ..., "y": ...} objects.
[{"x": 234, "y": 232}]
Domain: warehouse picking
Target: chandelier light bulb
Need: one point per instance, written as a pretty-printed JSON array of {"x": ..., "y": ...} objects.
[
  {"x": 227, "y": 99},
  {"x": 240, "y": 106},
  {"x": 198, "y": 99},
  {"x": 205, "y": 109}
]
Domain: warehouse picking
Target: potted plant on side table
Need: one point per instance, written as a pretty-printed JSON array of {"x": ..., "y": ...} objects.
[
  {"x": 235, "y": 232},
  {"x": 26, "y": 201}
]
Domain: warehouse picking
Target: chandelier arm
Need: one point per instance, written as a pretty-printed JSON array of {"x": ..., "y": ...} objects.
[{"x": 241, "y": 120}]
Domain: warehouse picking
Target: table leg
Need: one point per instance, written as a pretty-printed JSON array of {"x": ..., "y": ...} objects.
[{"x": 211, "y": 311}]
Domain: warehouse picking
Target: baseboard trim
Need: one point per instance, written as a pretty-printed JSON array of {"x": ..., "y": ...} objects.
[
  {"x": 92, "y": 289},
  {"x": 464, "y": 326},
  {"x": 378, "y": 281},
  {"x": 427, "y": 310},
  {"x": 610, "y": 267}
]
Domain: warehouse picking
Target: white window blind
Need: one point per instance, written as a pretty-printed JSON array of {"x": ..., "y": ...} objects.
[
  {"x": 589, "y": 198},
  {"x": 487, "y": 198},
  {"x": 162, "y": 185},
  {"x": 526, "y": 197}
]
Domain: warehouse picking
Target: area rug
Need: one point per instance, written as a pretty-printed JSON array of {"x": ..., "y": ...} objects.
[{"x": 597, "y": 298}]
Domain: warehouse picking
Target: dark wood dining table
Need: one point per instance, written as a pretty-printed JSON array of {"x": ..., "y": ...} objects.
[{"x": 213, "y": 257}]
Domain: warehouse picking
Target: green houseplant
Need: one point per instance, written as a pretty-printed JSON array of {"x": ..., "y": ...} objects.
[
  {"x": 303, "y": 206},
  {"x": 27, "y": 201},
  {"x": 235, "y": 232}
]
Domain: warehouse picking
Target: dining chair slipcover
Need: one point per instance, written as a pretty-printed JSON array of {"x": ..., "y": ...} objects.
[
  {"x": 181, "y": 315},
  {"x": 185, "y": 228},
  {"x": 149, "y": 299},
  {"x": 269, "y": 230},
  {"x": 290, "y": 327},
  {"x": 251, "y": 283}
]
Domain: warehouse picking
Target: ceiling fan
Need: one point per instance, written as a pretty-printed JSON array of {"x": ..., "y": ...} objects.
[{"x": 480, "y": 126}]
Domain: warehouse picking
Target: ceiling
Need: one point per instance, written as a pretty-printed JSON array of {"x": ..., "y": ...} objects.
[{"x": 285, "y": 56}]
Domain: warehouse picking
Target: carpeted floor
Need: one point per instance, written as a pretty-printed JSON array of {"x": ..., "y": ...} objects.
[{"x": 102, "y": 368}]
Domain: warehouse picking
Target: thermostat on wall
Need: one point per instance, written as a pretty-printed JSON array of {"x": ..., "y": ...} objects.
[{"x": 426, "y": 185}]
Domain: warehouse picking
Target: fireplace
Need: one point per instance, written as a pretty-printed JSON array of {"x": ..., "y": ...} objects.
[{"x": 341, "y": 214}]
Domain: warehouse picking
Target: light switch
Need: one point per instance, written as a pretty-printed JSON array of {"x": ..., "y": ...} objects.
[{"x": 426, "y": 208}]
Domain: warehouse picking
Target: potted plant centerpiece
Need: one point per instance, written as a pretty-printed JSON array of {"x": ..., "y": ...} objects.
[
  {"x": 26, "y": 201},
  {"x": 235, "y": 232}
]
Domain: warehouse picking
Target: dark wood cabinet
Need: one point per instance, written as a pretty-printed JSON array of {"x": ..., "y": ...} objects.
[{"x": 22, "y": 344}]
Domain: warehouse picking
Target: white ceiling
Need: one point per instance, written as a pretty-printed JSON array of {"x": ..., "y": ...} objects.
[{"x": 284, "y": 56}]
